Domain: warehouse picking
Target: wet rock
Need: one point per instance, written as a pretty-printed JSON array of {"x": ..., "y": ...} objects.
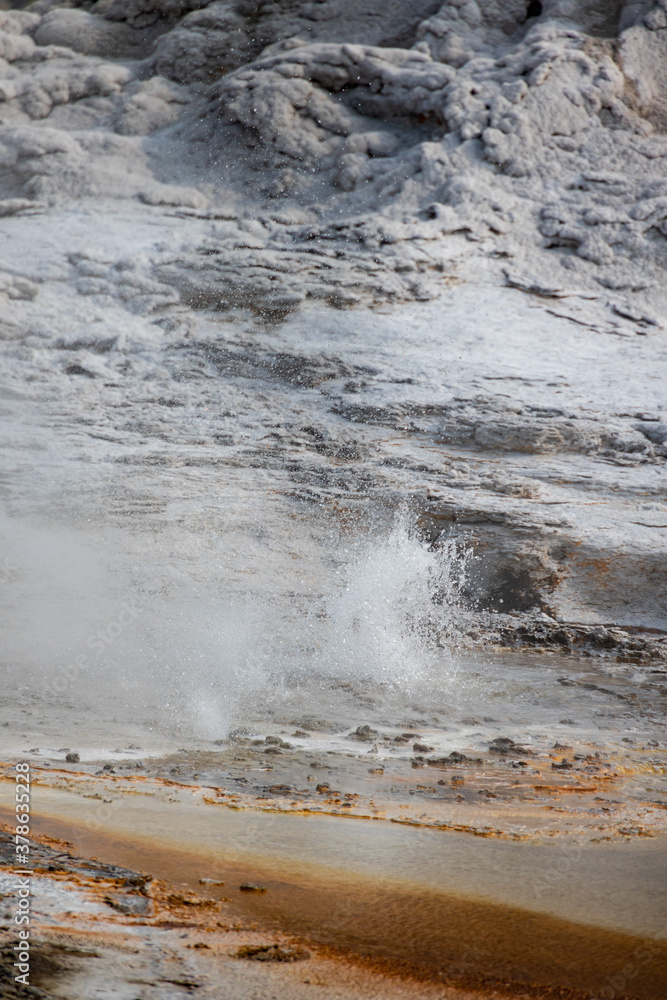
[
  {"x": 563, "y": 765},
  {"x": 280, "y": 789},
  {"x": 541, "y": 631},
  {"x": 503, "y": 745},
  {"x": 454, "y": 758},
  {"x": 277, "y": 742},
  {"x": 421, "y": 748},
  {"x": 72, "y": 758},
  {"x": 364, "y": 734},
  {"x": 316, "y": 725},
  {"x": 272, "y": 953},
  {"x": 300, "y": 734},
  {"x": 251, "y": 887}
]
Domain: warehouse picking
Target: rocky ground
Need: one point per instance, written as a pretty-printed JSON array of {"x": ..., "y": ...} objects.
[{"x": 578, "y": 788}]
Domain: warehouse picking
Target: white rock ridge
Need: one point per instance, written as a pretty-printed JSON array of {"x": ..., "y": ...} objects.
[{"x": 540, "y": 126}]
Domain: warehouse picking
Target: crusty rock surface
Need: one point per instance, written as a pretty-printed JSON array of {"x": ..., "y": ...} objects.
[{"x": 545, "y": 131}]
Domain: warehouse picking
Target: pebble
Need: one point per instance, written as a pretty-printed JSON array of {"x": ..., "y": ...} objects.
[{"x": 272, "y": 953}]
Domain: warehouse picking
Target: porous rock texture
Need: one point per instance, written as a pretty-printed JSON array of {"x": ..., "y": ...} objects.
[
  {"x": 359, "y": 153},
  {"x": 405, "y": 121}
]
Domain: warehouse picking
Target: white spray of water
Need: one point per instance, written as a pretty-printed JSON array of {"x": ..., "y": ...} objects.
[
  {"x": 89, "y": 627},
  {"x": 382, "y": 625}
]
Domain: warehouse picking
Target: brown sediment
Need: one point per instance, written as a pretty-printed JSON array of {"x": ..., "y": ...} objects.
[{"x": 425, "y": 934}]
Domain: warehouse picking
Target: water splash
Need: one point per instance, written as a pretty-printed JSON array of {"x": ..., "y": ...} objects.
[
  {"x": 100, "y": 631},
  {"x": 399, "y": 593}
]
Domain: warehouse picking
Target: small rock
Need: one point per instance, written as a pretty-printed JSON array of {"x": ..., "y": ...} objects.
[
  {"x": 251, "y": 887},
  {"x": 504, "y": 745},
  {"x": 316, "y": 725},
  {"x": 72, "y": 758},
  {"x": 363, "y": 733},
  {"x": 421, "y": 748},
  {"x": 276, "y": 741},
  {"x": 299, "y": 734},
  {"x": 272, "y": 953},
  {"x": 210, "y": 881}
]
